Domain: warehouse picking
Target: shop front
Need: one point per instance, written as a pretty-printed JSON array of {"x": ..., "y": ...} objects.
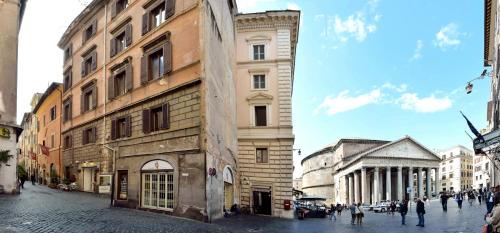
[{"x": 88, "y": 176}]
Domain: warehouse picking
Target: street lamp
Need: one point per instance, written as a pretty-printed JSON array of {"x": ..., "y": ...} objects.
[
  {"x": 469, "y": 86},
  {"x": 298, "y": 150}
]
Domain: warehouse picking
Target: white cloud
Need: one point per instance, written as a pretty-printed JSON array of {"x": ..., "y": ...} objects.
[
  {"x": 418, "y": 51},
  {"x": 357, "y": 25},
  {"x": 411, "y": 101},
  {"x": 251, "y": 5},
  {"x": 343, "y": 102},
  {"x": 448, "y": 36},
  {"x": 292, "y": 6},
  {"x": 399, "y": 89}
]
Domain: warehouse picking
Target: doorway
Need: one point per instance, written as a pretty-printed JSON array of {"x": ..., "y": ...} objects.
[
  {"x": 88, "y": 177},
  {"x": 262, "y": 202}
]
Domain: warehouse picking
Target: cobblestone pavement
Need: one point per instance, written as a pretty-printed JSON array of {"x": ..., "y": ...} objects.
[{"x": 40, "y": 209}]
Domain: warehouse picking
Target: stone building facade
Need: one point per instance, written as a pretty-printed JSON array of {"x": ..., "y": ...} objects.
[
  {"x": 456, "y": 169},
  {"x": 369, "y": 171},
  {"x": 149, "y": 104},
  {"x": 47, "y": 113},
  {"x": 266, "y": 45},
  {"x": 28, "y": 140},
  {"x": 11, "y": 14}
]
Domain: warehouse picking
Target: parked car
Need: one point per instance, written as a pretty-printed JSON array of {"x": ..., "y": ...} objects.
[
  {"x": 367, "y": 207},
  {"x": 382, "y": 207},
  {"x": 311, "y": 207}
]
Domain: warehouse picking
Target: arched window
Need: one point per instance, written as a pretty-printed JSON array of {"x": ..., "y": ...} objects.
[
  {"x": 157, "y": 181},
  {"x": 227, "y": 176}
]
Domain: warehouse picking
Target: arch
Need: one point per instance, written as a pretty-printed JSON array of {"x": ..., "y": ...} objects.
[
  {"x": 227, "y": 175},
  {"x": 157, "y": 164}
]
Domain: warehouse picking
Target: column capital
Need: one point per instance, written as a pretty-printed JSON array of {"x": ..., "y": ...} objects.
[
  {"x": 400, "y": 168},
  {"x": 363, "y": 168},
  {"x": 376, "y": 169},
  {"x": 419, "y": 169}
]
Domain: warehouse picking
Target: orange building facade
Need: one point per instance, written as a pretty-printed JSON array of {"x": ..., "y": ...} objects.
[{"x": 48, "y": 167}]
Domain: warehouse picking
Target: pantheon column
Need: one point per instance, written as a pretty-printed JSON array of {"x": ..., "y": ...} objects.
[
  {"x": 428, "y": 183},
  {"x": 356, "y": 187},
  {"x": 375, "y": 185},
  {"x": 364, "y": 196},
  {"x": 400, "y": 183},
  {"x": 351, "y": 192},
  {"x": 437, "y": 180},
  {"x": 410, "y": 183},
  {"x": 388, "y": 184},
  {"x": 420, "y": 183}
]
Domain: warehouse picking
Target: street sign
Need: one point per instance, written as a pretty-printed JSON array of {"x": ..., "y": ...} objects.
[{"x": 408, "y": 189}]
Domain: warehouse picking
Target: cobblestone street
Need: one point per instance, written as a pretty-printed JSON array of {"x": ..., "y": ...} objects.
[{"x": 40, "y": 209}]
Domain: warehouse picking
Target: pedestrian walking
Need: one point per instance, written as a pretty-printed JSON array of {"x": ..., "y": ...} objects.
[
  {"x": 339, "y": 209},
  {"x": 332, "y": 212},
  {"x": 393, "y": 207},
  {"x": 353, "y": 208},
  {"x": 471, "y": 197},
  {"x": 480, "y": 196},
  {"x": 359, "y": 214},
  {"x": 489, "y": 201},
  {"x": 493, "y": 218},
  {"x": 444, "y": 201},
  {"x": 403, "y": 210},
  {"x": 33, "y": 179},
  {"x": 459, "y": 198},
  {"x": 420, "y": 213}
]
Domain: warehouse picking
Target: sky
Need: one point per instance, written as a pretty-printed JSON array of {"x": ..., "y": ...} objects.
[{"x": 377, "y": 69}]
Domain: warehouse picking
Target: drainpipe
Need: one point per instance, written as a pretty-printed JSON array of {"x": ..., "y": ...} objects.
[{"x": 113, "y": 176}]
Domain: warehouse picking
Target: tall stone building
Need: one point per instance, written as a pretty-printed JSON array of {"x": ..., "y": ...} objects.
[
  {"x": 456, "y": 169},
  {"x": 28, "y": 140},
  {"x": 48, "y": 125},
  {"x": 266, "y": 47},
  {"x": 149, "y": 104},
  {"x": 11, "y": 14}
]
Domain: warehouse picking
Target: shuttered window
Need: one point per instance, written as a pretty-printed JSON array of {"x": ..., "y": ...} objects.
[
  {"x": 156, "y": 61},
  {"x": 121, "y": 127},
  {"x": 89, "y": 31},
  {"x": 89, "y": 63},
  {"x": 260, "y": 116},
  {"x": 121, "y": 40},
  {"x": 68, "y": 79},
  {"x": 67, "y": 109},
  {"x": 67, "y": 142},
  {"x": 68, "y": 51},
  {"x": 121, "y": 80},
  {"x": 118, "y": 6},
  {"x": 89, "y": 135},
  {"x": 261, "y": 155},
  {"x": 156, "y": 14},
  {"x": 155, "y": 119},
  {"x": 89, "y": 97}
]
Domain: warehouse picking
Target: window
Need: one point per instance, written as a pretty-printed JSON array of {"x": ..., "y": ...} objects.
[
  {"x": 68, "y": 51},
  {"x": 157, "y": 65},
  {"x": 67, "y": 112},
  {"x": 121, "y": 40},
  {"x": 89, "y": 136},
  {"x": 259, "y": 81},
  {"x": 121, "y": 128},
  {"x": 261, "y": 155},
  {"x": 43, "y": 120},
  {"x": 67, "y": 141},
  {"x": 119, "y": 6},
  {"x": 89, "y": 31},
  {"x": 68, "y": 79},
  {"x": 451, "y": 175},
  {"x": 260, "y": 116},
  {"x": 52, "y": 141},
  {"x": 119, "y": 84},
  {"x": 487, "y": 165},
  {"x": 258, "y": 52},
  {"x": 53, "y": 113},
  {"x": 89, "y": 97},
  {"x": 122, "y": 185},
  {"x": 89, "y": 63},
  {"x": 156, "y": 14},
  {"x": 155, "y": 119}
]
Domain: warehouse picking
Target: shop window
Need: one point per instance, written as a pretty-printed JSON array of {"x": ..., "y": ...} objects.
[{"x": 122, "y": 185}]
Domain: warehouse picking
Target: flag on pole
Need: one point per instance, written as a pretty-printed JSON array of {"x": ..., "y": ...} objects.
[
  {"x": 45, "y": 150},
  {"x": 473, "y": 129}
]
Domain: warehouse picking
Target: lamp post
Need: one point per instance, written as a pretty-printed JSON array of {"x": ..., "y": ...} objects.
[{"x": 469, "y": 86}]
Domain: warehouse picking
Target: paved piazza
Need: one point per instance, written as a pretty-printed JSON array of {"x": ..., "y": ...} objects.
[{"x": 40, "y": 209}]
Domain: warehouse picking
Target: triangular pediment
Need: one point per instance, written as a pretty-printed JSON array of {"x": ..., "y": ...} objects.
[
  {"x": 259, "y": 96},
  {"x": 405, "y": 148}
]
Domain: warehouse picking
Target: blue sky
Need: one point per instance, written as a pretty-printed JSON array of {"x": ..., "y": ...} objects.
[
  {"x": 385, "y": 69},
  {"x": 365, "y": 68}
]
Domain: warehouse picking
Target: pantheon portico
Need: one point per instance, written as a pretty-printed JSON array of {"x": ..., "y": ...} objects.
[{"x": 368, "y": 171}]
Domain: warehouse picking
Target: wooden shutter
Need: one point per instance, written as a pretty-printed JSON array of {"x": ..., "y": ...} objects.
[
  {"x": 82, "y": 102},
  {"x": 94, "y": 27},
  {"x": 128, "y": 34},
  {"x": 111, "y": 86},
  {"x": 112, "y": 47},
  {"x": 84, "y": 139},
  {"x": 94, "y": 134},
  {"x": 129, "y": 82},
  {"x": 128, "y": 126},
  {"x": 145, "y": 121},
  {"x": 70, "y": 77},
  {"x": 70, "y": 104},
  {"x": 94, "y": 60},
  {"x": 113, "y": 129},
  {"x": 70, "y": 141},
  {"x": 144, "y": 69},
  {"x": 145, "y": 23},
  {"x": 83, "y": 72},
  {"x": 70, "y": 50},
  {"x": 94, "y": 96},
  {"x": 165, "y": 109},
  {"x": 169, "y": 8},
  {"x": 113, "y": 9},
  {"x": 167, "y": 57}
]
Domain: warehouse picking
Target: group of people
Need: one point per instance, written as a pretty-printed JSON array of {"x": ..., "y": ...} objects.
[{"x": 357, "y": 213}]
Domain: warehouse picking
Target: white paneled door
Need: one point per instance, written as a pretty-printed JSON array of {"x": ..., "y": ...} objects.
[{"x": 158, "y": 190}]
